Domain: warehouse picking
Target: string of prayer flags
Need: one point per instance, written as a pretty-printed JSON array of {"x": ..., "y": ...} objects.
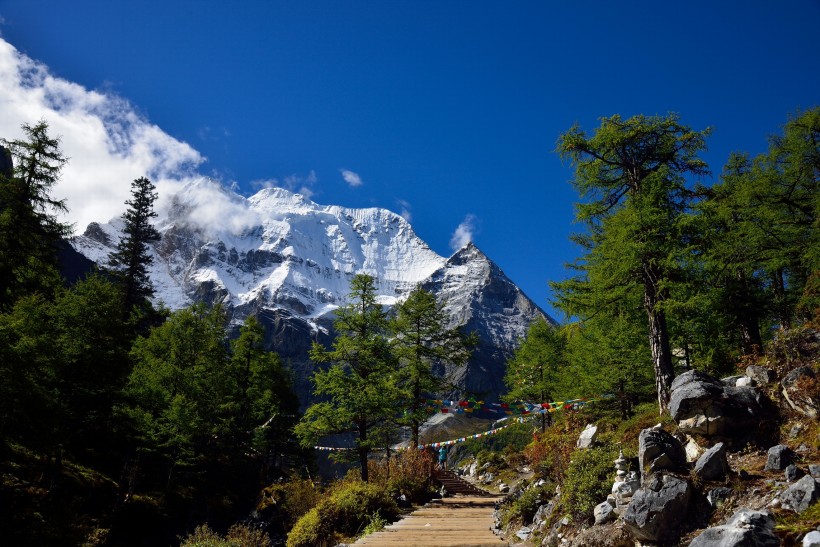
[{"x": 468, "y": 437}]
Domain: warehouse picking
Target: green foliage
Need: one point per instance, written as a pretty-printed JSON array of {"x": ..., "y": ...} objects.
[
  {"x": 131, "y": 259},
  {"x": 513, "y": 438},
  {"x": 359, "y": 386},
  {"x": 237, "y": 536},
  {"x": 523, "y": 509},
  {"x": 419, "y": 342},
  {"x": 587, "y": 481},
  {"x": 631, "y": 176},
  {"x": 351, "y": 507},
  {"x": 533, "y": 372},
  {"x": 191, "y": 402},
  {"x": 29, "y": 229},
  {"x": 282, "y": 504}
]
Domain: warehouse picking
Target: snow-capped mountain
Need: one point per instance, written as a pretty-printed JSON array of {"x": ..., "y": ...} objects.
[{"x": 289, "y": 261}]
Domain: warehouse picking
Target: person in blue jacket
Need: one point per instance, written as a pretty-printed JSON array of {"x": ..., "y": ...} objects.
[{"x": 442, "y": 458}]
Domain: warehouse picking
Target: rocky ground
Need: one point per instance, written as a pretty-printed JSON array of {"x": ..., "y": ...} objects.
[{"x": 738, "y": 464}]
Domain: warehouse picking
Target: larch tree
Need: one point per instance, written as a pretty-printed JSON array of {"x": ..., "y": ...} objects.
[
  {"x": 532, "y": 372},
  {"x": 359, "y": 386},
  {"x": 421, "y": 341},
  {"x": 30, "y": 231},
  {"x": 631, "y": 176}
]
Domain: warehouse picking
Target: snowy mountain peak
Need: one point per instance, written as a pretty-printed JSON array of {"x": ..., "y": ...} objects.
[{"x": 289, "y": 260}]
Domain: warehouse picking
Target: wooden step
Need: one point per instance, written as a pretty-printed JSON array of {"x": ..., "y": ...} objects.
[{"x": 460, "y": 521}]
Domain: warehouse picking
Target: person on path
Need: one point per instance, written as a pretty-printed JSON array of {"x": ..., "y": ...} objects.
[{"x": 442, "y": 458}]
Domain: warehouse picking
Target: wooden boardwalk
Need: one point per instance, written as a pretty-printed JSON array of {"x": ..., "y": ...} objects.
[{"x": 459, "y": 521}]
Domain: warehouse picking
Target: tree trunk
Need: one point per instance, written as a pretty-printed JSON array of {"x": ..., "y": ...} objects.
[
  {"x": 781, "y": 306},
  {"x": 414, "y": 422},
  {"x": 363, "y": 451},
  {"x": 659, "y": 344},
  {"x": 747, "y": 317}
]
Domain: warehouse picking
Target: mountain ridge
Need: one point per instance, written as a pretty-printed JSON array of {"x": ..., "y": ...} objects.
[{"x": 289, "y": 261}]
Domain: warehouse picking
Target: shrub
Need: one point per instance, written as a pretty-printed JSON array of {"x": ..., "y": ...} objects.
[
  {"x": 238, "y": 536},
  {"x": 283, "y": 503},
  {"x": 350, "y": 507},
  {"x": 549, "y": 454},
  {"x": 311, "y": 531},
  {"x": 406, "y": 473},
  {"x": 587, "y": 481},
  {"x": 525, "y": 507}
]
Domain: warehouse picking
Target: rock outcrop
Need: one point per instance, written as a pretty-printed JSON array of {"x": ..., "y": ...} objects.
[
  {"x": 658, "y": 508},
  {"x": 659, "y": 451},
  {"x": 706, "y": 406}
]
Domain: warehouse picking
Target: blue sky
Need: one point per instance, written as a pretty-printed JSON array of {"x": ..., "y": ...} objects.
[{"x": 446, "y": 111}]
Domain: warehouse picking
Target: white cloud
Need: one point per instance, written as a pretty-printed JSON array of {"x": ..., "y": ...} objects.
[
  {"x": 464, "y": 233},
  {"x": 209, "y": 206},
  {"x": 107, "y": 142},
  {"x": 351, "y": 178},
  {"x": 406, "y": 210}
]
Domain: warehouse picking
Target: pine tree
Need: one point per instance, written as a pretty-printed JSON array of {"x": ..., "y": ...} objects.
[
  {"x": 132, "y": 259},
  {"x": 29, "y": 229},
  {"x": 360, "y": 384},
  {"x": 420, "y": 341},
  {"x": 631, "y": 174}
]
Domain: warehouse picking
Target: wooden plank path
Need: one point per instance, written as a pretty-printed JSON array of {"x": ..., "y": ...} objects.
[{"x": 459, "y": 521}]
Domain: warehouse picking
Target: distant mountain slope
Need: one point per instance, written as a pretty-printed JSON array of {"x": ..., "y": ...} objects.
[{"x": 289, "y": 261}]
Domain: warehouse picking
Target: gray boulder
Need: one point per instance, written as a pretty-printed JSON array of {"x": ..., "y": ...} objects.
[
  {"x": 761, "y": 375},
  {"x": 658, "y": 508},
  {"x": 792, "y": 473},
  {"x": 706, "y": 406},
  {"x": 797, "y": 398},
  {"x": 718, "y": 495},
  {"x": 588, "y": 436},
  {"x": 746, "y": 528},
  {"x": 779, "y": 458},
  {"x": 603, "y": 512},
  {"x": 801, "y": 494},
  {"x": 659, "y": 451},
  {"x": 812, "y": 539},
  {"x": 713, "y": 464}
]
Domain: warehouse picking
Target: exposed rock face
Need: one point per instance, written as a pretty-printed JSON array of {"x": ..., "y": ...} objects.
[
  {"x": 704, "y": 405},
  {"x": 713, "y": 465},
  {"x": 746, "y": 528},
  {"x": 481, "y": 299},
  {"x": 794, "y": 391},
  {"x": 658, "y": 451},
  {"x": 658, "y": 508}
]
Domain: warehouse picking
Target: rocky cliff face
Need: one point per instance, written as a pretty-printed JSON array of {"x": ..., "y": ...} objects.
[
  {"x": 289, "y": 261},
  {"x": 481, "y": 299}
]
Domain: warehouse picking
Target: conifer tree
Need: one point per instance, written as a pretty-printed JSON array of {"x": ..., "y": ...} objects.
[
  {"x": 132, "y": 259},
  {"x": 421, "y": 341},
  {"x": 29, "y": 229},
  {"x": 631, "y": 174},
  {"x": 533, "y": 371},
  {"x": 264, "y": 405},
  {"x": 359, "y": 385}
]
